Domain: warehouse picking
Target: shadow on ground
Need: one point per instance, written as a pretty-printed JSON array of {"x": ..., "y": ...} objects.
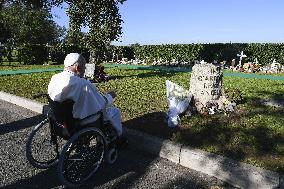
[
  {"x": 254, "y": 133},
  {"x": 21, "y": 124},
  {"x": 131, "y": 168},
  {"x": 154, "y": 123}
]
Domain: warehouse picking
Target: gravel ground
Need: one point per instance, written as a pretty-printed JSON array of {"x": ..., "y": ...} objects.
[{"x": 133, "y": 169}]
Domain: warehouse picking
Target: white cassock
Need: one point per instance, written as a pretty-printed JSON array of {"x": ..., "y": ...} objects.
[{"x": 87, "y": 99}]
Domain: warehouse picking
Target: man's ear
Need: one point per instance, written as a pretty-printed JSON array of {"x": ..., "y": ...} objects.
[{"x": 77, "y": 67}]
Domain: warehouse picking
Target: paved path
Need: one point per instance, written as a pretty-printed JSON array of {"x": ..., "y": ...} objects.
[{"x": 133, "y": 169}]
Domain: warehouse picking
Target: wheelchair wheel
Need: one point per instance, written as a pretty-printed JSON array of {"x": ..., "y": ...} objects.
[
  {"x": 111, "y": 156},
  {"x": 81, "y": 157},
  {"x": 41, "y": 152}
]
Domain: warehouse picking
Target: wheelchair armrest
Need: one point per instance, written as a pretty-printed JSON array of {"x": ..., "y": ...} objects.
[
  {"x": 99, "y": 113},
  {"x": 92, "y": 118}
]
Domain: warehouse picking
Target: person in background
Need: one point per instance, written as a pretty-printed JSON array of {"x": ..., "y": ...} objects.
[{"x": 102, "y": 75}]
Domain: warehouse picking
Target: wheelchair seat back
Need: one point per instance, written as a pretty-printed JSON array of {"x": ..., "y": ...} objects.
[
  {"x": 61, "y": 118},
  {"x": 62, "y": 122}
]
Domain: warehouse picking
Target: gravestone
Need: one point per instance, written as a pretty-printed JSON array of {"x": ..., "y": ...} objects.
[
  {"x": 233, "y": 63},
  {"x": 90, "y": 71},
  {"x": 124, "y": 60},
  {"x": 206, "y": 87},
  {"x": 275, "y": 67}
]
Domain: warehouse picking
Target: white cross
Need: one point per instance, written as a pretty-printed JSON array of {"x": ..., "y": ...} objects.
[{"x": 242, "y": 55}]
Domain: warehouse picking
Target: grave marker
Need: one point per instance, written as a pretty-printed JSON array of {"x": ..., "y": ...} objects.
[
  {"x": 90, "y": 71},
  {"x": 206, "y": 86}
]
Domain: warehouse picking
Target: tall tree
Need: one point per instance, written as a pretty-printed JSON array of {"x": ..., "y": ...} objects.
[
  {"x": 5, "y": 33},
  {"x": 30, "y": 30},
  {"x": 102, "y": 17},
  {"x": 30, "y": 26},
  {"x": 31, "y": 4},
  {"x": 103, "y": 20}
]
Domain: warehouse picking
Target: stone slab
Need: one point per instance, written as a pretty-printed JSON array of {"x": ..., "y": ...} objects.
[
  {"x": 238, "y": 174},
  {"x": 21, "y": 101},
  {"x": 170, "y": 151},
  {"x": 206, "y": 82},
  {"x": 206, "y": 86}
]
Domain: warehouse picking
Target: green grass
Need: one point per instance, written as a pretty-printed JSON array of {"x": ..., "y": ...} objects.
[
  {"x": 259, "y": 73},
  {"x": 253, "y": 134},
  {"x": 17, "y": 66}
]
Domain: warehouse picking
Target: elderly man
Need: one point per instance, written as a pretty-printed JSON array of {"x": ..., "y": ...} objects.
[{"x": 69, "y": 84}]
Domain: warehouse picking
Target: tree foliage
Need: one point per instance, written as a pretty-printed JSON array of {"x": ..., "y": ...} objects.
[
  {"x": 29, "y": 28},
  {"x": 265, "y": 53},
  {"x": 30, "y": 4},
  {"x": 101, "y": 17}
]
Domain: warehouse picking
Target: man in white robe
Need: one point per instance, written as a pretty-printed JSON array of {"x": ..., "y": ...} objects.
[{"x": 69, "y": 84}]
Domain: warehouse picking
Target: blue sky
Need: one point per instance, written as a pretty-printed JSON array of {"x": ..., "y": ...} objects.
[{"x": 198, "y": 21}]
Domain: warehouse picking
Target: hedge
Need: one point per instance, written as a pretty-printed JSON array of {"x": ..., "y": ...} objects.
[{"x": 264, "y": 52}]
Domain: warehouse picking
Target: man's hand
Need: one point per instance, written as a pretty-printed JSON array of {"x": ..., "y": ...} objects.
[{"x": 112, "y": 94}]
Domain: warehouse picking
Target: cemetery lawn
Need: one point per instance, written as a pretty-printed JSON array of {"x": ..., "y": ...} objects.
[
  {"x": 253, "y": 134},
  {"x": 16, "y": 66}
]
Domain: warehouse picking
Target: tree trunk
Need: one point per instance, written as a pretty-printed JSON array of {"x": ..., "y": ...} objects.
[{"x": 94, "y": 60}]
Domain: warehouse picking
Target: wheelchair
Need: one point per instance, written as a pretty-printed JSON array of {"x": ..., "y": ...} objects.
[{"x": 77, "y": 147}]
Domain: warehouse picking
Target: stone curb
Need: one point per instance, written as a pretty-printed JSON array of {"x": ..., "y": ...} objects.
[
  {"x": 23, "y": 102},
  {"x": 236, "y": 173}
]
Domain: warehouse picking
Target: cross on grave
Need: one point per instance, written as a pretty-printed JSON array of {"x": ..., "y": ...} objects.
[{"x": 242, "y": 55}]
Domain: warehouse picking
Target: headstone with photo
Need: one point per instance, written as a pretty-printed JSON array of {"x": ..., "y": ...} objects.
[
  {"x": 90, "y": 71},
  {"x": 233, "y": 63},
  {"x": 275, "y": 67}
]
